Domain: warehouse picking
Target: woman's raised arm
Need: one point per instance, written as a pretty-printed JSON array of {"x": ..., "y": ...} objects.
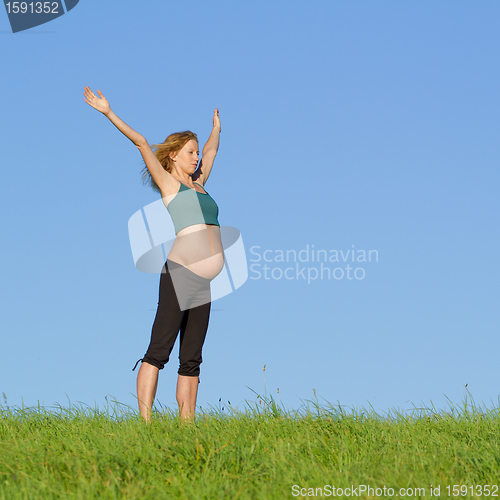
[
  {"x": 209, "y": 151},
  {"x": 102, "y": 105},
  {"x": 165, "y": 181}
]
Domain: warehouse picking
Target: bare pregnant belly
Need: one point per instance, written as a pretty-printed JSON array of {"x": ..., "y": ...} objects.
[{"x": 199, "y": 249}]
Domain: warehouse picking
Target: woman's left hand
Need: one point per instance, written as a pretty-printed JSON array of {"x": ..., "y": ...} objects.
[{"x": 217, "y": 119}]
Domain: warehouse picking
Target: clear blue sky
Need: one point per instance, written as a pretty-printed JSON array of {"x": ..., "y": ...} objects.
[{"x": 346, "y": 124}]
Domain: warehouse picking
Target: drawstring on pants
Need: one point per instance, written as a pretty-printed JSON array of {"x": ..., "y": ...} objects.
[{"x": 137, "y": 364}]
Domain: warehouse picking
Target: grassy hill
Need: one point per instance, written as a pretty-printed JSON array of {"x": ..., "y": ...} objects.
[{"x": 262, "y": 452}]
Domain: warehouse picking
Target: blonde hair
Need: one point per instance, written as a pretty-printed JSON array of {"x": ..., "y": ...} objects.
[{"x": 172, "y": 145}]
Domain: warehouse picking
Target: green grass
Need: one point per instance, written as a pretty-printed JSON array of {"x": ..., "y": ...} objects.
[{"x": 261, "y": 452}]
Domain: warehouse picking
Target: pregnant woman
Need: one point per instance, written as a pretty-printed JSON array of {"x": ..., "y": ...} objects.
[{"x": 195, "y": 259}]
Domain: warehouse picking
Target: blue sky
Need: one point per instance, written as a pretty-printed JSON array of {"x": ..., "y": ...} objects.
[{"x": 345, "y": 125}]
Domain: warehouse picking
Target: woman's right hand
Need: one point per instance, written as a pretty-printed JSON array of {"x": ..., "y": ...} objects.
[{"x": 101, "y": 104}]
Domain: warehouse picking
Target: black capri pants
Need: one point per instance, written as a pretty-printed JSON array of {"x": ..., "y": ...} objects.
[{"x": 184, "y": 305}]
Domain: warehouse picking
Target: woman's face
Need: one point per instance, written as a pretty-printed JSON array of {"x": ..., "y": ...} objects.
[{"x": 187, "y": 158}]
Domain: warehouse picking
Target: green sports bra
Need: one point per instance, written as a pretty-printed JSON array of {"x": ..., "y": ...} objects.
[{"x": 185, "y": 210}]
